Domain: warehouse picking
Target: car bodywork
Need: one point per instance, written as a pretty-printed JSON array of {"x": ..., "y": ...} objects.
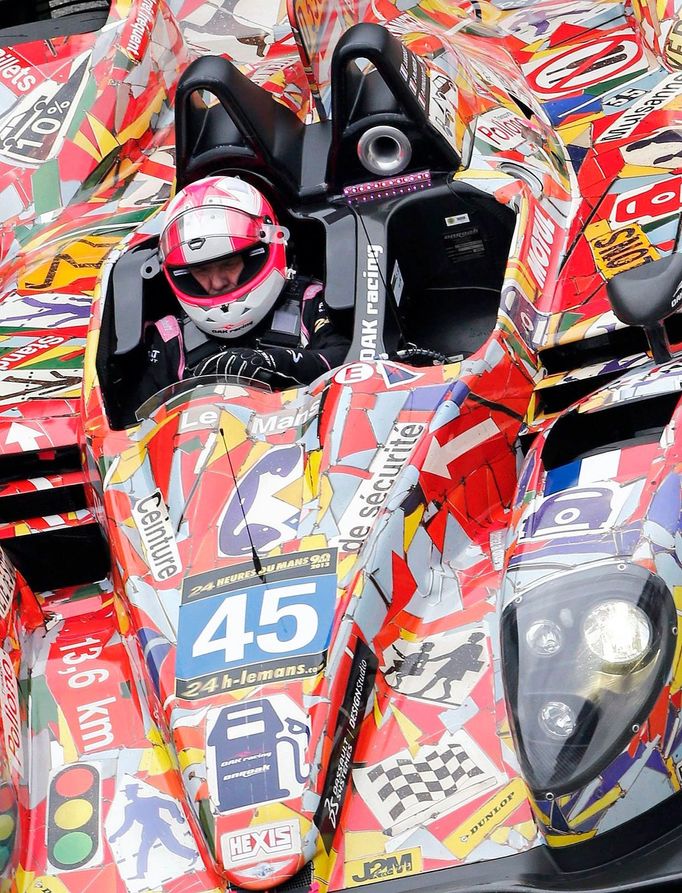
[{"x": 301, "y": 658}]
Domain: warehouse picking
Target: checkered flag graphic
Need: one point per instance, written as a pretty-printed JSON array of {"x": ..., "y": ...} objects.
[{"x": 404, "y": 792}]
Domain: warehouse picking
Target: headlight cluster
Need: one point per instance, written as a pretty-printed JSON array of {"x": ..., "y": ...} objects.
[{"x": 584, "y": 658}]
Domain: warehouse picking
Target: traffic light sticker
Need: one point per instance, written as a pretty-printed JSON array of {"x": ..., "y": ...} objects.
[
  {"x": 74, "y": 838},
  {"x": 8, "y": 823}
]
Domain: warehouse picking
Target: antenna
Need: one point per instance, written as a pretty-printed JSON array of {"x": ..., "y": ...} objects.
[{"x": 256, "y": 560}]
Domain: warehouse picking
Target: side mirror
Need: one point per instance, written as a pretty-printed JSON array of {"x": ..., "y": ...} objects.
[{"x": 646, "y": 296}]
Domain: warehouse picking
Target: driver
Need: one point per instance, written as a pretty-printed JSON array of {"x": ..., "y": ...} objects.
[{"x": 224, "y": 255}]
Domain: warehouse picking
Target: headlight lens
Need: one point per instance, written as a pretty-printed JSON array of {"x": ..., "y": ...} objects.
[
  {"x": 544, "y": 637},
  {"x": 558, "y": 719},
  {"x": 584, "y": 658},
  {"x": 617, "y": 632}
]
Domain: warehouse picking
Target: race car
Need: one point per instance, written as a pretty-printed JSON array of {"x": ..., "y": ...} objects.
[{"x": 419, "y": 617}]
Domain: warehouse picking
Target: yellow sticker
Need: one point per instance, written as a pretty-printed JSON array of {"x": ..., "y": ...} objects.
[
  {"x": 81, "y": 260},
  {"x": 382, "y": 867},
  {"x": 673, "y": 46},
  {"x": 480, "y": 824},
  {"x": 620, "y": 249}
]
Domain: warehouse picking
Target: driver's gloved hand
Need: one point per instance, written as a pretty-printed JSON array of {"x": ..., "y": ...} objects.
[{"x": 246, "y": 364}]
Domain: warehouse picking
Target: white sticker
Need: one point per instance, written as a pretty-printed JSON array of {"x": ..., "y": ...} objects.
[
  {"x": 158, "y": 540},
  {"x": 373, "y": 492},
  {"x": 457, "y": 219},
  {"x": 241, "y": 848},
  {"x": 354, "y": 373},
  {"x": 406, "y": 790},
  {"x": 256, "y": 753},
  {"x": 397, "y": 283},
  {"x": 149, "y": 836},
  {"x": 628, "y": 121},
  {"x": 578, "y": 67}
]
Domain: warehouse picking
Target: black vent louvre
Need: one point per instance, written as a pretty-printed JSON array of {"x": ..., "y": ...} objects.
[
  {"x": 53, "y": 501},
  {"x": 19, "y": 466},
  {"x": 60, "y": 558},
  {"x": 561, "y": 396},
  {"x": 577, "y": 435},
  {"x": 616, "y": 345}
]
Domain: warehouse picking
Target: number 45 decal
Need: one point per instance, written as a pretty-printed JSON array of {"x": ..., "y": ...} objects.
[
  {"x": 297, "y": 622},
  {"x": 255, "y": 625}
]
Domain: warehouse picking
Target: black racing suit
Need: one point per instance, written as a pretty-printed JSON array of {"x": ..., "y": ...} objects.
[{"x": 293, "y": 345}]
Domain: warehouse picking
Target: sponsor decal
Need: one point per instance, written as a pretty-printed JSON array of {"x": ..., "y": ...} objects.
[
  {"x": 463, "y": 242},
  {"x": 237, "y": 631},
  {"x": 382, "y": 867},
  {"x": 413, "y": 72},
  {"x": 351, "y": 713},
  {"x": 240, "y": 848},
  {"x": 354, "y": 374},
  {"x": 542, "y": 238},
  {"x": 256, "y": 752},
  {"x": 254, "y": 516},
  {"x": 156, "y": 533},
  {"x": 373, "y": 491},
  {"x": 618, "y": 250},
  {"x": 11, "y": 723},
  {"x": 137, "y": 32},
  {"x": 32, "y": 132},
  {"x": 283, "y": 420},
  {"x": 480, "y": 824},
  {"x": 594, "y": 62},
  {"x": 505, "y": 130},
  {"x": 660, "y": 199},
  {"x": 370, "y": 327},
  {"x": 668, "y": 90},
  {"x": 281, "y": 567}
]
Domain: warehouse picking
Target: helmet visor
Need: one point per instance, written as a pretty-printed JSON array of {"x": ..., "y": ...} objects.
[{"x": 219, "y": 277}]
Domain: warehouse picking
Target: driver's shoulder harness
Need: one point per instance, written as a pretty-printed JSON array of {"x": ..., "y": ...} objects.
[
  {"x": 298, "y": 336},
  {"x": 284, "y": 330}
]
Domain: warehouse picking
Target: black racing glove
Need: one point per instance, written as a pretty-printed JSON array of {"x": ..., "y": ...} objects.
[{"x": 247, "y": 364}]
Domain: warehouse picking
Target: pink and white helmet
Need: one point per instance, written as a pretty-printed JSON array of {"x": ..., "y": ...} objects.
[{"x": 212, "y": 227}]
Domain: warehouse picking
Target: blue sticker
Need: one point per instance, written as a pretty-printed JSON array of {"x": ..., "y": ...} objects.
[
  {"x": 257, "y": 625},
  {"x": 256, "y": 752}
]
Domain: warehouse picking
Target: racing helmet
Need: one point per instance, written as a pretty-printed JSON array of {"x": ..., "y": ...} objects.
[{"x": 223, "y": 254}]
